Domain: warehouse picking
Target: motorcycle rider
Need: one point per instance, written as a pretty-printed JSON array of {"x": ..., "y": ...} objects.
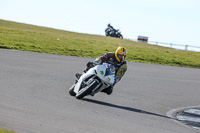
[
  {"x": 117, "y": 59},
  {"x": 109, "y": 30},
  {"x": 109, "y": 26}
]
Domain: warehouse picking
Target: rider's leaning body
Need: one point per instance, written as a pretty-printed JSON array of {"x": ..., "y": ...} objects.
[
  {"x": 117, "y": 59},
  {"x": 120, "y": 66}
]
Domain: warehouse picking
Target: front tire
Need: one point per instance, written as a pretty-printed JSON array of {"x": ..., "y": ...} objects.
[
  {"x": 87, "y": 90},
  {"x": 71, "y": 90}
]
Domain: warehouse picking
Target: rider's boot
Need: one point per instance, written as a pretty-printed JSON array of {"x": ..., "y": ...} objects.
[
  {"x": 78, "y": 75},
  {"x": 108, "y": 90}
]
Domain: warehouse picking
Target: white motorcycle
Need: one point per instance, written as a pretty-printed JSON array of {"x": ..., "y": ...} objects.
[{"x": 93, "y": 81}]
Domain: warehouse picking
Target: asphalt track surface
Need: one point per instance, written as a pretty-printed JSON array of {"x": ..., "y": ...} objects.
[{"x": 34, "y": 97}]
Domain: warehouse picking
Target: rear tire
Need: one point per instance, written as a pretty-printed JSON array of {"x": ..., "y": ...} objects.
[{"x": 87, "y": 90}]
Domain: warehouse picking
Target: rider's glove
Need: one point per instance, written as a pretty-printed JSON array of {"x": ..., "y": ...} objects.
[{"x": 90, "y": 64}]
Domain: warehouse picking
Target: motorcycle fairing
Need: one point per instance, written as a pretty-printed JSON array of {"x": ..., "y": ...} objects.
[
  {"x": 89, "y": 73},
  {"x": 107, "y": 77},
  {"x": 100, "y": 71}
]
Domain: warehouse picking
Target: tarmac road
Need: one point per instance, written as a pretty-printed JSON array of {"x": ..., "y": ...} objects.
[{"x": 34, "y": 97}]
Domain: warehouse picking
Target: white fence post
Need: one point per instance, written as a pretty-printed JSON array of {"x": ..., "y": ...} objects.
[{"x": 186, "y": 46}]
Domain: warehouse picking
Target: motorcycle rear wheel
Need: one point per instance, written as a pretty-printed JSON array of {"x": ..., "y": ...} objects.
[{"x": 87, "y": 90}]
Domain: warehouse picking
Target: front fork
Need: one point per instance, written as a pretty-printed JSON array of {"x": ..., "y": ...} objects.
[{"x": 96, "y": 89}]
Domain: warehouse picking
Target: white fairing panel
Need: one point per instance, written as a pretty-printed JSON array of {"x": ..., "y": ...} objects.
[
  {"x": 106, "y": 73},
  {"x": 82, "y": 78}
]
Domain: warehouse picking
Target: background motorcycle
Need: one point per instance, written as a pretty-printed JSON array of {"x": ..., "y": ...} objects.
[
  {"x": 113, "y": 33},
  {"x": 93, "y": 81}
]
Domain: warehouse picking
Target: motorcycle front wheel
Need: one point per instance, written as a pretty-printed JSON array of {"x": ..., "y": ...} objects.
[
  {"x": 86, "y": 90},
  {"x": 71, "y": 90}
]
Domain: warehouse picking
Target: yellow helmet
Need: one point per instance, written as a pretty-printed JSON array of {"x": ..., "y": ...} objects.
[{"x": 120, "y": 54}]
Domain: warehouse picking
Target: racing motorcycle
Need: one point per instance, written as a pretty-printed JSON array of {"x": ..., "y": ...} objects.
[
  {"x": 113, "y": 33},
  {"x": 93, "y": 81}
]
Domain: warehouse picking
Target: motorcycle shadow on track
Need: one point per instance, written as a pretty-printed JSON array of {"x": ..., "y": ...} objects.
[{"x": 124, "y": 108}]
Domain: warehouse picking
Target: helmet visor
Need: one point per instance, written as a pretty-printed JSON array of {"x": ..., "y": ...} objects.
[{"x": 121, "y": 57}]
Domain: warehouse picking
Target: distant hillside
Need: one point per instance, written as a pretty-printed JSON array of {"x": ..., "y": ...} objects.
[{"x": 26, "y": 37}]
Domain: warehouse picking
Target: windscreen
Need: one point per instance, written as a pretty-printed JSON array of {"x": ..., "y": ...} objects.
[{"x": 110, "y": 69}]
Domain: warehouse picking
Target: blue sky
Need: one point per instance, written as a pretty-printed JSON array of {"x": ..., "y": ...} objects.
[{"x": 171, "y": 21}]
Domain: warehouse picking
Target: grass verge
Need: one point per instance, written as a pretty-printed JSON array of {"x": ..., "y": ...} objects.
[
  {"x": 26, "y": 37},
  {"x": 6, "y": 131}
]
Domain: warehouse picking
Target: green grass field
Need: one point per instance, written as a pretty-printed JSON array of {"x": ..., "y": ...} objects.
[
  {"x": 5, "y": 131},
  {"x": 26, "y": 37}
]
